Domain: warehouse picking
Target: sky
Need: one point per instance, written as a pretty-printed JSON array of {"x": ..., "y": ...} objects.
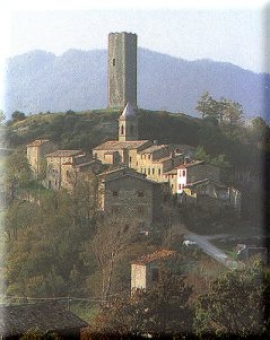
[{"x": 229, "y": 31}]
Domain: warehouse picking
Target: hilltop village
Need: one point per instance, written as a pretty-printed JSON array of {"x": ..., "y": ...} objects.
[
  {"x": 138, "y": 235},
  {"x": 141, "y": 174}
]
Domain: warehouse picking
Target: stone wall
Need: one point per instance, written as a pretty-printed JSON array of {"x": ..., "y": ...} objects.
[{"x": 122, "y": 69}]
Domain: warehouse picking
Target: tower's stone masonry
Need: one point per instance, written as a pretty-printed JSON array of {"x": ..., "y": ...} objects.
[{"x": 122, "y": 69}]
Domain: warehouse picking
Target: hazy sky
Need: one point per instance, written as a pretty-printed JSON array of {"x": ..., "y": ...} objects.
[{"x": 232, "y": 31}]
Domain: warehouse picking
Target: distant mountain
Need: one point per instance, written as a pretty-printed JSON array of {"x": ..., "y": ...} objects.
[{"x": 38, "y": 81}]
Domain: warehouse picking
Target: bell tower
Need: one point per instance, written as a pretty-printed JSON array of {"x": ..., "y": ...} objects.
[{"x": 128, "y": 124}]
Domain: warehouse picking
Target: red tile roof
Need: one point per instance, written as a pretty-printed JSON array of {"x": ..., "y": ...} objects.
[
  {"x": 192, "y": 163},
  {"x": 65, "y": 153},
  {"x": 37, "y": 142},
  {"x": 116, "y": 145},
  {"x": 156, "y": 256}
]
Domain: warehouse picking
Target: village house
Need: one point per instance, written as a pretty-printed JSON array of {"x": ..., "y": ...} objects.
[
  {"x": 17, "y": 320},
  {"x": 64, "y": 167},
  {"x": 124, "y": 150},
  {"x": 212, "y": 195},
  {"x": 129, "y": 198},
  {"x": 146, "y": 157},
  {"x": 36, "y": 152},
  {"x": 145, "y": 270}
]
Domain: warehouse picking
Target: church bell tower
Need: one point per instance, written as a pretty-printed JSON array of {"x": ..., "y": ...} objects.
[{"x": 128, "y": 124}]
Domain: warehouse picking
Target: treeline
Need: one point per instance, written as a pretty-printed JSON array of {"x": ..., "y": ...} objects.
[{"x": 219, "y": 131}]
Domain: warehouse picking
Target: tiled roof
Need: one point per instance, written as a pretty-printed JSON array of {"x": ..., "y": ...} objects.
[
  {"x": 37, "y": 142},
  {"x": 118, "y": 145},
  {"x": 154, "y": 148},
  {"x": 65, "y": 153},
  {"x": 136, "y": 175},
  {"x": 128, "y": 112},
  {"x": 156, "y": 256},
  {"x": 205, "y": 181},
  {"x": 17, "y": 319},
  {"x": 189, "y": 165}
]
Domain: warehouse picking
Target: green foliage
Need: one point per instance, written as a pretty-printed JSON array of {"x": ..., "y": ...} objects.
[
  {"x": 223, "y": 110},
  {"x": 234, "y": 305},
  {"x": 162, "y": 308},
  {"x": 208, "y": 107},
  {"x": 39, "y": 335},
  {"x": 43, "y": 247},
  {"x": 18, "y": 116}
]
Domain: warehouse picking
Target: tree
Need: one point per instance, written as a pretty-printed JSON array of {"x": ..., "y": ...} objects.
[
  {"x": 163, "y": 308},
  {"x": 2, "y": 117},
  {"x": 201, "y": 154},
  {"x": 18, "y": 116},
  {"x": 208, "y": 107},
  {"x": 223, "y": 110},
  {"x": 231, "y": 112},
  {"x": 110, "y": 241},
  {"x": 234, "y": 305}
]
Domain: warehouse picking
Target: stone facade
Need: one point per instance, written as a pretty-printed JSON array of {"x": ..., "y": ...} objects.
[
  {"x": 36, "y": 152},
  {"x": 145, "y": 270},
  {"x": 61, "y": 168},
  {"x": 128, "y": 197},
  {"x": 122, "y": 69},
  {"x": 195, "y": 171}
]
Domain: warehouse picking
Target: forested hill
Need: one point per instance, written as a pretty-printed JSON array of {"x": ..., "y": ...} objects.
[
  {"x": 77, "y": 80},
  {"x": 240, "y": 144}
]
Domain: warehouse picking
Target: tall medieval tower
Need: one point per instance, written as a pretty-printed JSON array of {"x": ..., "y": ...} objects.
[{"x": 122, "y": 69}]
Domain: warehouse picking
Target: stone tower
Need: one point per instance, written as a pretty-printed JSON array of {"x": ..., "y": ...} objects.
[
  {"x": 128, "y": 124},
  {"x": 122, "y": 69}
]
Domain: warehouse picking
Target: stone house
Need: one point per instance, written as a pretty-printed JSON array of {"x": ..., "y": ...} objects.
[
  {"x": 36, "y": 152},
  {"x": 125, "y": 196},
  {"x": 16, "y": 320},
  {"x": 63, "y": 166},
  {"x": 156, "y": 160},
  {"x": 145, "y": 156},
  {"x": 195, "y": 171},
  {"x": 124, "y": 150},
  {"x": 213, "y": 195},
  {"x": 245, "y": 252},
  {"x": 145, "y": 271}
]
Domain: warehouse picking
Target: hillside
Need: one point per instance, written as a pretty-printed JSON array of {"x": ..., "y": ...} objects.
[
  {"x": 87, "y": 129},
  {"x": 77, "y": 80}
]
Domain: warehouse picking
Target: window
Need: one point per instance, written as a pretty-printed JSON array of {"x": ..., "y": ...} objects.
[
  {"x": 141, "y": 210},
  {"x": 115, "y": 193},
  {"x": 153, "y": 171},
  {"x": 149, "y": 171},
  {"x": 113, "y": 61},
  {"x": 140, "y": 194},
  {"x": 122, "y": 130},
  {"x": 130, "y": 159},
  {"x": 184, "y": 173},
  {"x": 149, "y": 156},
  {"x": 159, "y": 172},
  {"x": 155, "y": 274}
]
